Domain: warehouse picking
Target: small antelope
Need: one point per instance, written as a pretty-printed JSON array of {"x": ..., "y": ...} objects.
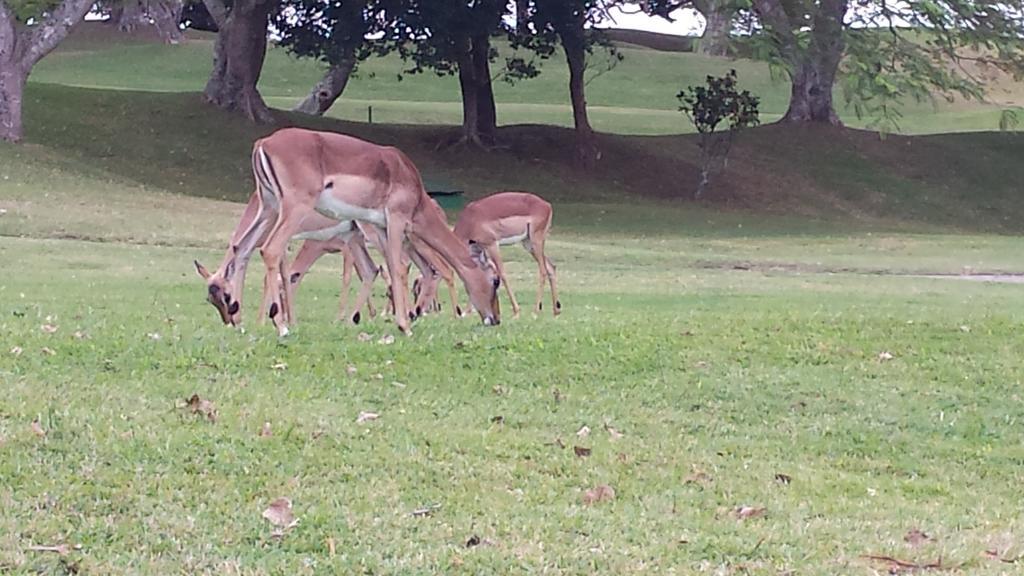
[{"x": 506, "y": 218}]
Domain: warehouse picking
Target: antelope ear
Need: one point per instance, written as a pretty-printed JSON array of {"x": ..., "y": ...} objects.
[
  {"x": 478, "y": 253},
  {"x": 202, "y": 270}
]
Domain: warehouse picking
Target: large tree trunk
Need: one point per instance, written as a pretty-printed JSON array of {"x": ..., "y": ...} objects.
[
  {"x": 12, "y": 87},
  {"x": 129, "y": 15},
  {"x": 166, "y": 16},
  {"x": 239, "y": 51},
  {"x": 814, "y": 75},
  {"x": 21, "y": 48},
  {"x": 487, "y": 112},
  {"x": 813, "y": 68},
  {"x": 718, "y": 24},
  {"x": 470, "y": 102},
  {"x": 587, "y": 152},
  {"x": 329, "y": 88}
]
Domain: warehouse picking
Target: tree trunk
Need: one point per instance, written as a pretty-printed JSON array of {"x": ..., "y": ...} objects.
[
  {"x": 329, "y": 88},
  {"x": 812, "y": 69},
  {"x": 239, "y": 51},
  {"x": 166, "y": 15},
  {"x": 718, "y": 24},
  {"x": 587, "y": 152},
  {"x": 487, "y": 113},
  {"x": 470, "y": 102},
  {"x": 12, "y": 87},
  {"x": 129, "y": 15},
  {"x": 522, "y": 16}
]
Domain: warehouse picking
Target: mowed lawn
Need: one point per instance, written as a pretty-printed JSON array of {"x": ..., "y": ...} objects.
[{"x": 841, "y": 411}]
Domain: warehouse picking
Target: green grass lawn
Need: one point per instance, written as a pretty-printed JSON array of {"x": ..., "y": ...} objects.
[{"x": 778, "y": 348}]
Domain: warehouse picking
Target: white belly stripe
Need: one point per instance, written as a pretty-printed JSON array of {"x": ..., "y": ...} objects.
[
  {"x": 512, "y": 239},
  {"x": 331, "y": 206},
  {"x": 342, "y": 230}
]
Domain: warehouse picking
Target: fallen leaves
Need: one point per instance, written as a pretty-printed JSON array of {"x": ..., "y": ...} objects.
[
  {"x": 17, "y": 350},
  {"x": 49, "y": 328},
  {"x": 697, "y": 476},
  {"x": 581, "y": 452},
  {"x": 747, "y": 512},
  {"x": 37, "y": 428},
  {"x": 351, "y": 370},
  {"x": 389, "y": 339},
  {"x": 48, "y": 351},
  {"x": 280, "y": 366},
  {"x": 597, "y": 494},
  {"x": 367, "y": 417},
  {"x": 783, "y": 478},
  {"x": 59, "y": 549},
  {"x": 265, "y": 431},
  {"x": 425, "y": 511},
  {"x": 280, "y": 516},
  {"x": 885, "y": 356},
  {"x": 364, "y": 337},
  {"x": 615, "y": 434},
  {"x": 201, "y": 407},
  {"x": 584, "y": 431},
  {"x": 916, "y": 537}
]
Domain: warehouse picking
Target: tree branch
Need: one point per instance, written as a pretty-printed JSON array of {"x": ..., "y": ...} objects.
[
  {"x": 8, "y": 31},
  {"x": 55, "y": 26}
]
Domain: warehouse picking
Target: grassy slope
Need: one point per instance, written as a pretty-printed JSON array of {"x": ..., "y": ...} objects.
[{"x": 637, "y": 97}]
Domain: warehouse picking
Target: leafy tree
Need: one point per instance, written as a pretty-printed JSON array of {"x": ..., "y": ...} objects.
[
  {"x": 453, "y": 37},
  {"x": 29, "y": 30},
  {"x": 238, "y": 55},
  {"x": 571, "y": 23},
  {"x": 709, "y": 108},
  {"x": 887, "y": 52},
  {"x": 335, "y": 33},
  {"x": 718, "y": 15}
]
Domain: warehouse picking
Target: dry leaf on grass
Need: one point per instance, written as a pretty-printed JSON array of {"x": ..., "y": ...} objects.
[
  {"x": 49, "y": 328},
  {"x": 364, "y": 337},
  {"x": 201, "y": 407},
  {"x": 581, "y": 451},
  {"x": 885, "y": 356},
  {"x": 746, "y": 512},
  {"x": 916, "y": 537},
  {"x": 37, "y": 428},
  {"x": 783, "y": 478},
  {"x": 265, "y": 431},
  {"x": 351, "y": 369},
  {"x": 584, "y": 431},
  {"x": 48, "y": 351},
  {"x": 598, "y": 494},
  {"x": 330, "y": 547},
  {"x": 280, "y": 366},
  {"x": 60, "y": 549},
  {"x": 497, "y": 420},
  {"x": 17, "y": 350},
  {"x": 697, "y": 476},
  {"x": 474, "y": 540},
  {"x": 154, "y": 335},
  {"x": 615, "y": 434},
  {"x": 425, "y": 511},
  {"x": 389, "y": 339},
  {"x": 367, "y": 417},
  {"x": 280, "y": 515}
]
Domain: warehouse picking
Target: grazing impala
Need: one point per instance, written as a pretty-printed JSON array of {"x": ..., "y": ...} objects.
[
  {"x": 507, "y": 218},
  {"x": 305, "y": 174},
  {"x": 322, "y": 235}
]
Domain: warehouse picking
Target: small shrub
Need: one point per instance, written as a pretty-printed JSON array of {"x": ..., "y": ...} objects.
[{"x": 711, "y": 106}]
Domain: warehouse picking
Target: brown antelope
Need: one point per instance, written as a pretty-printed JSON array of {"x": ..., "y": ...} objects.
[
  {"x": 303, "y": 174},
  {"x": 322, "y": 235},
  {"x": 507, "y": 218}
]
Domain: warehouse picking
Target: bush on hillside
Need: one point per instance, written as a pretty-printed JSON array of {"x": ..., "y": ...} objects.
[{"x": 711, "y": 106}]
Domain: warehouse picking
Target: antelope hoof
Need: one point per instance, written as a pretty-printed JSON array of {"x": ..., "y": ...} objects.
[{"x": 282, "y": 331}]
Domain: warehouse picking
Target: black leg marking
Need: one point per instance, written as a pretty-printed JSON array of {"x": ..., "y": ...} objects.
[
  {"x": 295, "y": 278},
  {"x": 356, "y": 318},
  {"x": 273, "y": 310},
  {"x": 558, "y": 304},
  {"x": 458, "y": 310},
  {"x": 540, "y": 306}
]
